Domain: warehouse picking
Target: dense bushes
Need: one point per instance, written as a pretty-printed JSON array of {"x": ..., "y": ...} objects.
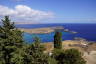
[{"x": 70, "y": 56}]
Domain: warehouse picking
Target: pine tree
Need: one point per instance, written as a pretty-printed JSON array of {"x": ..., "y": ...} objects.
[
  {"x": 10, "y": 40},
  {"x": 58, "y": 40},
  {"x": 35, "y": 53}
]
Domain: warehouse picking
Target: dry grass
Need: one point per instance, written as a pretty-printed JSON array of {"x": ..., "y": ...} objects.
[
  {"x": 65, "y": 45},
  {"x": 90, "y": 58}
]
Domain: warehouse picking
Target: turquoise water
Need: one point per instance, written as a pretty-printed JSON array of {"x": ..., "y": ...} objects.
[
  {"x": 47, "y": 37},
  {"x": 86, "y": 31}
]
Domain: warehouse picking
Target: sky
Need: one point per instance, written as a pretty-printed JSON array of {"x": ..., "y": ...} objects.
[{"x": 49, "y": 11}]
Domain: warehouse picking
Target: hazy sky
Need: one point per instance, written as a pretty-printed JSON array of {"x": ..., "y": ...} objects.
[{"x": 49, "y": 11}]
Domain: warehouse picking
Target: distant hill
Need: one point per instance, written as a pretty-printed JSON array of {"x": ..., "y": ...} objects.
[{"x": 27, "y": 23}]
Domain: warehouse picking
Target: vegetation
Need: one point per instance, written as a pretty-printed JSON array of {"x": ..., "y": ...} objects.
[
  {"x": 70, "y": 56},
  {"x": 35, "y": 53},
  {"x": 13, "y": 50},
  {"x": 58, "y": 40},
  {"x": 10, "y": 40}
]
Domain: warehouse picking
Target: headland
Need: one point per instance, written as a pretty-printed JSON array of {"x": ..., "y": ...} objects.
[{"x": 41, "y": 30}]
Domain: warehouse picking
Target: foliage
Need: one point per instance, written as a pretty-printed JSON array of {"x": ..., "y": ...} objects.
[
  {"x": 52, "y": 60},
  {"x": 70, "y": 56},
  {"x": 35, "y": 53},
  {"x": 14, "y": 51},
  {"x": 58, "y": 40},
  {"x": 10, "y": 40}
]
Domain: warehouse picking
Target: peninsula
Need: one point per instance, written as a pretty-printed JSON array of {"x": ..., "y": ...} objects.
[{"x": 41, "y": 30}]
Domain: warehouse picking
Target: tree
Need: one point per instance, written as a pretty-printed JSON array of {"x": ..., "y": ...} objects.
[
  {"x": 14, "y": 51},
  {"x": 58, "y": 40},
  {"x": 70, "y": 56},
  {"x": 35, "y": 54},
  {"x": 10, "y": 40}
]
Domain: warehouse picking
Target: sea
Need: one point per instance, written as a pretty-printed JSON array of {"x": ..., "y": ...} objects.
[{"x": 85, "y": 31}]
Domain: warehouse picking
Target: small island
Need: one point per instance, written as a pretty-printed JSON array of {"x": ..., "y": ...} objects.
[{"x": 67, "y": 30}]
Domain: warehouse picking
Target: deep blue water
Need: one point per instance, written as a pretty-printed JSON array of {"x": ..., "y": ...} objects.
[{"x": 86, "y": 31}]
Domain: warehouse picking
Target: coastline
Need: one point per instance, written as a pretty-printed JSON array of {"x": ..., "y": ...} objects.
[
  {"x": 44, "y": 30},
  {"x": 89, "y": 50}
]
